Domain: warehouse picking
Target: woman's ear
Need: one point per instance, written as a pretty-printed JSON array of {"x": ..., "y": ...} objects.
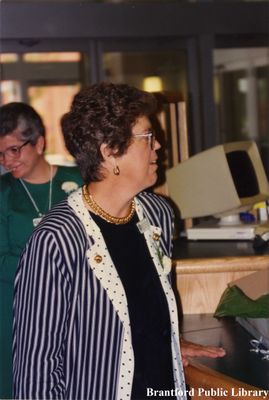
[
  {"x": 109, "y": 159},
  {"x": 105, "y": 151},
  {"x": 40, "y": 145}
]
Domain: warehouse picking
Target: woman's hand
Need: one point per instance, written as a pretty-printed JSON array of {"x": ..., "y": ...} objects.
[{"x": 189, "y": 349}]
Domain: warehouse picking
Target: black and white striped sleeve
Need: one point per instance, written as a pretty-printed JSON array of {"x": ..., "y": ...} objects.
[{"x": 41, "y": 299}]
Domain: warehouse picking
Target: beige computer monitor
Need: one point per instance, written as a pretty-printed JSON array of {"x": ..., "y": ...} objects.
[{"x": 209, "y": 182}]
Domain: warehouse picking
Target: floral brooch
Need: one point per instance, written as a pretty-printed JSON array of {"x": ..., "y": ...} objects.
[{"x": 69, "y": 186}]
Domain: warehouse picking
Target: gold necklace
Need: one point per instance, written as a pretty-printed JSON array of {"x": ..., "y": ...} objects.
[{"x": 102, "y": 213}]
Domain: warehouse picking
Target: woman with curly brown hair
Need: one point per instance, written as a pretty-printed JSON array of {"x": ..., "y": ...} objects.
[{"x": 95, "y": 315}]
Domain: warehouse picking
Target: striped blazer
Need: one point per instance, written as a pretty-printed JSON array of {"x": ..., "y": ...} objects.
[{"x": 72, "y": 337}]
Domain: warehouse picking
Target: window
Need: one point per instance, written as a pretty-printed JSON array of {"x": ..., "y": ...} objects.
[{"x": 47, "y": 81}]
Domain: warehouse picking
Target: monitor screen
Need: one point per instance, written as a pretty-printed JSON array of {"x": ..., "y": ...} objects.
[
  {"x": 243, "y": 173},
  {"x": 221, "y": 180}
]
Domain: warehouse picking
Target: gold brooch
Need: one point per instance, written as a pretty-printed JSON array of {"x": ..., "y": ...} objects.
[
  {"x": 156, "y": 236},
  {"x": 98, "y": 258}
]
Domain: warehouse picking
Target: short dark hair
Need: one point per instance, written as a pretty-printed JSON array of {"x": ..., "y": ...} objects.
[
  {"x": 22, "y": 117},
  {"x": 103, "y": 113}
]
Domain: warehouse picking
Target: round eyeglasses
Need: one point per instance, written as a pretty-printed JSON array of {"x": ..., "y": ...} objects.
[
  {"x": 150, "y": 135},
  {"x": 13, "y": 152}
]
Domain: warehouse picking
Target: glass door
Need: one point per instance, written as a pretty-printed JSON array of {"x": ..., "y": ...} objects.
[
  {"x": 148, "y": 70},
  {"x": 48, "y": 81},
  {"x": 242, "y": 96},
  {"x": 51, "y": 102}
]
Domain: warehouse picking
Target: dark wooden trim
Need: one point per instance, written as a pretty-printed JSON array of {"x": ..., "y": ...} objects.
[{"x": 63, "y": 19}]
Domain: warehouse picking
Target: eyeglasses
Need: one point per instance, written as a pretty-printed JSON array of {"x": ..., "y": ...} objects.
[
  {"x": 13, "y": 152},
  {"x": 150, "y": 135}
]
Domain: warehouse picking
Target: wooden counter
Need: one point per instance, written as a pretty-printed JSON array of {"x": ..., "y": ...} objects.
[
  {"x": 205, "y": 383},
  {"x": 201, "y": 281},
  {"x": 241, "y": 374}
]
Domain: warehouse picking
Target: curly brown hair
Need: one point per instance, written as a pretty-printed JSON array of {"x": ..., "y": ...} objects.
[{"x": 103, "y": 113}]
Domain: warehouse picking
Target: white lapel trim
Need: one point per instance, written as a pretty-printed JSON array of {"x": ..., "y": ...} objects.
[
  {"x": 106, "y": 273},
  {"x": 99, "y": 259},
  {"x": 163, "y": 267}
]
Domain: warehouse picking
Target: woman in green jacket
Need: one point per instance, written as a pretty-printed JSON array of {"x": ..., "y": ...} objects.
[{"x": 28, "y": 190}]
